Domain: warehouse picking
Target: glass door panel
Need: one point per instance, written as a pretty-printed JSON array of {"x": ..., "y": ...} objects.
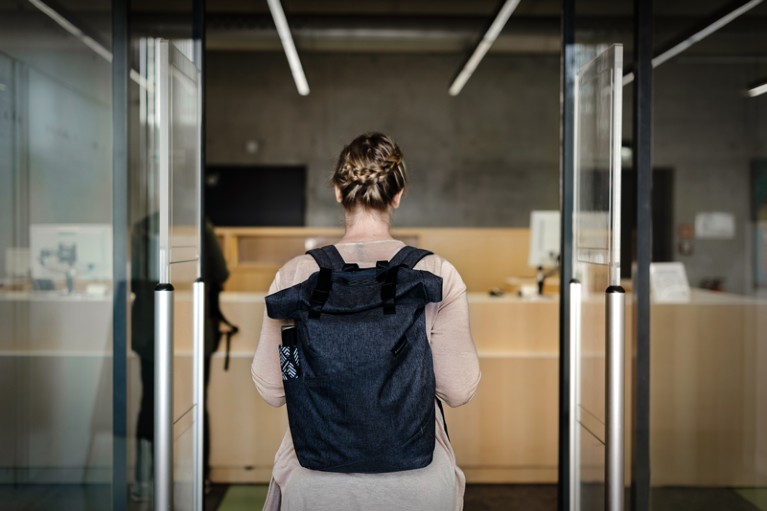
[
  {"x": 708, "y": 340},
  {"x": 179, "y": 186},
  {"x": 166, "y": 258},
  {"x": 57, "y": 441},
  {"x": 596, "y": 268}
]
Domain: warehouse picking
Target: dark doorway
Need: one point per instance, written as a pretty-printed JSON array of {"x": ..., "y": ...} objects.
[{"x": 662, "y": 217}]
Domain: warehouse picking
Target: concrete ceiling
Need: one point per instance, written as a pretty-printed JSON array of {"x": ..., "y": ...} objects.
[
  {"x": 423, "y": 26},
  {"x": 429, "y": 26}
]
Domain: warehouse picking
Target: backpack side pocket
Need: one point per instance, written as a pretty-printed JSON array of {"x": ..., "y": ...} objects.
[{"x": 289, "y": 360}]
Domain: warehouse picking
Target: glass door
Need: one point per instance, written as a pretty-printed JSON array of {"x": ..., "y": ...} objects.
[
  {"x": 165, "y": 263},
  {"x": 183, "y": 244},
  {"x": 58, "y": 428},
  {"x": 597, "y": 300},
  {"x": 65, "y": 440}
]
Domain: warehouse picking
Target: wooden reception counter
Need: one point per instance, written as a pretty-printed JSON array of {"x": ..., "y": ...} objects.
[
  {"x": 709, "y": 388},
  {"x": 508, "y": 432},
  {"x": 708, "y": 405},
  {"x": 708, "y": 398}
]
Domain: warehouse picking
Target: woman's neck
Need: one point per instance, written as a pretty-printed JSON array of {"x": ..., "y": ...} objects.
[{"x": 366, "y": 225}]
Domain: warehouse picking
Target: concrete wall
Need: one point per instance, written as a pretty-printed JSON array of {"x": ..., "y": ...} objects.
[
  {"x": 485, "y": 158},
  {"x": 489, "y": 156},
  {"x": 709, "y": 133}
]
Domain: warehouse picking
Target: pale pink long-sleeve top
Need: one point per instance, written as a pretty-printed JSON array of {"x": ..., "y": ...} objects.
[{"x": 439, "y": 486}]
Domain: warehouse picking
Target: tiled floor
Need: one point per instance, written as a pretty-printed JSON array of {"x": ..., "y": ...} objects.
[
  {"x": 55, "y": 497},
  {"x": 498, "y": 497},
  {"x": 702, "y": 499},
  {"x": 503, "y": 497},
  {"x": 478, "y": 498}
]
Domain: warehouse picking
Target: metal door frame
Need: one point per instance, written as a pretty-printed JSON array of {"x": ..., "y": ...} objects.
[{"x": 642, "y": 102}]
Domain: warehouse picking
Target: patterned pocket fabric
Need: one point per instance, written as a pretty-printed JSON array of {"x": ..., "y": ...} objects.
[{"x": 289, "y": 362}]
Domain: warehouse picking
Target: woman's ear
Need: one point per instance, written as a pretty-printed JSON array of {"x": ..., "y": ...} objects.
[
  {"x": 397, "y": 198},
  {"x": 339, "y": 198}
]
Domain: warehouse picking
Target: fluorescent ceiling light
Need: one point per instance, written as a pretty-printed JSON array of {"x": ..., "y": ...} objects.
[
  {"x": 727, "y": 16},
  {"x": 72, "y": 29},
  {"x": 484, "y": 45},
  {"x": 757, "y": 90},
  {"x": 290, "y": 49},
  {"x": 84, "y": 38},
  {"x": 704, "y": 32}
]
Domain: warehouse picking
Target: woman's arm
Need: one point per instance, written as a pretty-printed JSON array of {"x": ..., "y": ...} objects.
[
  {"x": 265, "y": 368},
  {"x": 456, "y": 364}
]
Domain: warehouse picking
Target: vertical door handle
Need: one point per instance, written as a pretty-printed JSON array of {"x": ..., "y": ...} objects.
[
  {"x": 198, "y": 358},
  {"x": 574, "y": 366},
  {"x": 163, "y": 405},
  {"x": 615, "y": 337}
]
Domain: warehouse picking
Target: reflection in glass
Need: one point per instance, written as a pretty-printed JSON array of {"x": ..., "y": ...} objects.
[
  {"x": 597, "y": 166},
  {"x": 165, "y": 248},
  {"x": 56, "y": 430},
  {"x": 708, "y": 397},
  {"x": 596, "y": 266}
]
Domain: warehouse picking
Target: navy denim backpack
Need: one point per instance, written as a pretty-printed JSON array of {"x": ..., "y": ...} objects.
[{"x": 357, "y": 368}]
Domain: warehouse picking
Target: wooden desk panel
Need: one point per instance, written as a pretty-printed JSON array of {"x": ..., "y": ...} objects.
[
  {"x": 707, "y": 395},
  {"x": 708, "y": 409},
  {"x": 485, "y": 257},
  {"x": 506, "y": 433}
]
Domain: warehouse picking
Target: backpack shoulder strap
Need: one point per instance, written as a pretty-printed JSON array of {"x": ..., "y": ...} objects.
[
  {"x": 329, "y": 260},
  {"x": 328, "y": 257},
  {"x": 408, "y": 257}
]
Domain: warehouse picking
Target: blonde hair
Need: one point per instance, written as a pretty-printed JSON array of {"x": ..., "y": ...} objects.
[{"x": 370, "y": 172}]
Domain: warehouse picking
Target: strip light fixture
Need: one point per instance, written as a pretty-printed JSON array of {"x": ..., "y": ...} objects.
[
  {"x": 84, "y": 38},
  {"x": 757, "y": 89},
  {"x": 72, "y": 29},
  {"x": 290, "y": 48},
  {"x": 484, "y": 45},
  {"x": 728, "y": 14}
]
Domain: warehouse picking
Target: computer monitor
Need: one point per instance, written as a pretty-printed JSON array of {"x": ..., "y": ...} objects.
[
  {"x": 544, "y": 239},
  {"x": 250, "y": 196}
]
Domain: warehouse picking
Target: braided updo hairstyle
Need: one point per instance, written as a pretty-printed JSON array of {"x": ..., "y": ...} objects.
[{"x": 370, "y": 172}]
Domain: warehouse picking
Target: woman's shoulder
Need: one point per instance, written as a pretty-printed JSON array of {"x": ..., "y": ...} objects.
[
  {"x": 296, "y": 270},
  {"x": 301, "y": 267},
  {"x": 437, "y": 265}
]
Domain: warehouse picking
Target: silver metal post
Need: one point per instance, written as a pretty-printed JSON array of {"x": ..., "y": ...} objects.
[
  {"x": 163, "y": 398},
  {"x": 199, "y": 389},
  {"x": 614, "y": 338},
  {"x": 575, "y": 358}
]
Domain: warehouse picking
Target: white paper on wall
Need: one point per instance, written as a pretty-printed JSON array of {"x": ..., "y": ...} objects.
[{"x": 715, "y": 225}]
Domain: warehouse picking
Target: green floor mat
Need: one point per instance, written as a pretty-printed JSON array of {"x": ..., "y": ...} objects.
[
  {"x": 243, "y": 497},
  {"x": 756, "y": 496}
]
